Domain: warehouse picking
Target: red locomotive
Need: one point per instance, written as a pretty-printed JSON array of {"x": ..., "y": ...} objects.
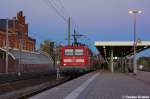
[{"x": 76, "y": 59}]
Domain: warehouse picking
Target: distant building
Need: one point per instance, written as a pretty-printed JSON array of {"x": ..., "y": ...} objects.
[
  {"x": 48, "y": 47},
  {"x": 53, "y": 50},
  {"x": 18, "y": 33}
]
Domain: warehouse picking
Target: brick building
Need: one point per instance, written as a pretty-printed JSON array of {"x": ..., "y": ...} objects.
[{"x": 18, "y": 33}]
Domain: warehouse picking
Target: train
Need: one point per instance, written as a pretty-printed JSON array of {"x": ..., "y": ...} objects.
[{"x": 77, "y": 59}]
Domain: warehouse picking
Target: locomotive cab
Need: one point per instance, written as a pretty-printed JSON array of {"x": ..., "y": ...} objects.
[{"x": 76, "y": 59}]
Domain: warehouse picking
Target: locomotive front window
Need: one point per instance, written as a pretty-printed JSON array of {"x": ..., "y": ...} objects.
[
  {"x": 79, "y": 52},
  {"x": 68, "y": 52}
]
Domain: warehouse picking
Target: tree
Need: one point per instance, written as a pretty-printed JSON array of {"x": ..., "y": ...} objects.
[{"x": 48, "y": 47}]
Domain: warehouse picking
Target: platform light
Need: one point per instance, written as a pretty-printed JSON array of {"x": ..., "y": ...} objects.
[
  {"x": 115, "y": 58},
  {"x": 135, "y": 12}
]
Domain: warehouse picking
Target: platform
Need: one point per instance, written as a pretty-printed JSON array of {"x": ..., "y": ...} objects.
[{"x": 101, "y": 85}]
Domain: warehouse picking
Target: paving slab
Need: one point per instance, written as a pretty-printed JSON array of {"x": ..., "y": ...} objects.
[
  {"x": 63, "y": 90},
  {"x": 100, "y": 85}
]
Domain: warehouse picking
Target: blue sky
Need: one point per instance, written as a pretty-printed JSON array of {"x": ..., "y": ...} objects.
[{"x": 97, "y": 19}]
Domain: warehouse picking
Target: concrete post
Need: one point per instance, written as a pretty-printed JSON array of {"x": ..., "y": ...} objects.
[
  {"x": 7, "y": 45},
  {"x": 135, "y": 45}
]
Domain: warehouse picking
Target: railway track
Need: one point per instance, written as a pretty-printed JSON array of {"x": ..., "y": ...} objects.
[
  {"x": 21, "y": 88},
  {"x": 8, "y": 78},
  {"x": 45, "y": 87}
]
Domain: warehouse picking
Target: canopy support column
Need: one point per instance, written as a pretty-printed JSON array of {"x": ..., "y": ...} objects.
[{"x": 111, "y": 61}]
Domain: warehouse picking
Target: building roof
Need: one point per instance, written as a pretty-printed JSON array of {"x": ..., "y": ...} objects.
[
  {"x": 120, "y": 43},
  {"x": 28, "y": 57},
  {"x": 120, "y": 48}
]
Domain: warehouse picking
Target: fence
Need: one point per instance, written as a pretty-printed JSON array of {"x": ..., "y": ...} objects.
[
  {"x": 12, "y": 66},
  {"x": 2, "y": 66}
]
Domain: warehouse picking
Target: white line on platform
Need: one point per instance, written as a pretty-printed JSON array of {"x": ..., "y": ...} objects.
[{"x": 74, "y": 94}]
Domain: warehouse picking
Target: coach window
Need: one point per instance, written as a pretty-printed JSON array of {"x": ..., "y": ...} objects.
[
  {"x": 78, "y": 51},
  {"x": 68, "y": 52}
]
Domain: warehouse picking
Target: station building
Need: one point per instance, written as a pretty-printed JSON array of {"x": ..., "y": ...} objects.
[
  {"x": 22, "y": 54},
  {"x": 18, "y": 33}
]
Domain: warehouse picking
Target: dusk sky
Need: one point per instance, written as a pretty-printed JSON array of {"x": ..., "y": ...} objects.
[{"x": 99, "y": 20}]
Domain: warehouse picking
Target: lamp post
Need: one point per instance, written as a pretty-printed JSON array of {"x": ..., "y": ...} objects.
[{"x": 135, "y": 12}]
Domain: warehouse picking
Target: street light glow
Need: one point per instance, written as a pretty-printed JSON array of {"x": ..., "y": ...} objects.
[
  {"x": 139, "y": 11},
  {"x": 130, "y": 12},
  {"x": 134, "y": 11}
]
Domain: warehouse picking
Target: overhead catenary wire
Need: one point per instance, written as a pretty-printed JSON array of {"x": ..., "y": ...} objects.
[
  {"x": 51, "y": 5},
  {"x": 58, "y": 4},
  {"x": 61, "y": 4},
  {"x": 61, "y": 11}
]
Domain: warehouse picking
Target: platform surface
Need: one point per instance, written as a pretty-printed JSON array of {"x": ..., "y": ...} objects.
[{"x": 102, "y": 85}]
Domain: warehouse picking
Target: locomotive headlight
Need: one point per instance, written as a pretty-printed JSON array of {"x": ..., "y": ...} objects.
[{"x": 64, "y": 64}]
